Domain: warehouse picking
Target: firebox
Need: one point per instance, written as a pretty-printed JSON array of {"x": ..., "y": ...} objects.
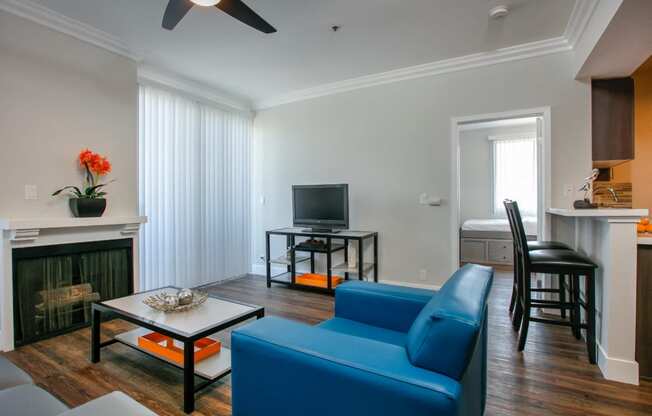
[{"x": 54, "y": 286}]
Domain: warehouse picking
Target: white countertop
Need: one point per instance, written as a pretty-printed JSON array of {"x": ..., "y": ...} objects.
[
  {"x": 599, "y": 213},
  {"x": 34, "y": 223},
  {"x": 645, "y": 239}
]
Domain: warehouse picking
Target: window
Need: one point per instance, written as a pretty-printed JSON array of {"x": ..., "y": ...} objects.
[{"x": 515, "y": 173}]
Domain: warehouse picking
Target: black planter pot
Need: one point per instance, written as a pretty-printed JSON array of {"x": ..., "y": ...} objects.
[{"x": 86, "y": 207}]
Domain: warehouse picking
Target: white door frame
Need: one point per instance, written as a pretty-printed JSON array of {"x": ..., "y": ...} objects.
[{"x": 544, "y": 174}]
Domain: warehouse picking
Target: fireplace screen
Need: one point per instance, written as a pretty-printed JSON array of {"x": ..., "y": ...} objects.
[{"x": 54, "y": 286}]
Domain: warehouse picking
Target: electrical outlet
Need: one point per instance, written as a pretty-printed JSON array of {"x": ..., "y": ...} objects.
[
  {"x": 263, "y": 200},
  {"x": 568, "y": 190},
  {"x": 31, "y": 193},
  {"x": 423, "y": 275}
]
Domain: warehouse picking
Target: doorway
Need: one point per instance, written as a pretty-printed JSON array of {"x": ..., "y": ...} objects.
[{"x": 497, "y": 156}]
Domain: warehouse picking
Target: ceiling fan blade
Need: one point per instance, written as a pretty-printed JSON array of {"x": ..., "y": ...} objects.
[
  {"x": 175, "y": 11},
  {"x": 242, "y": 12}
]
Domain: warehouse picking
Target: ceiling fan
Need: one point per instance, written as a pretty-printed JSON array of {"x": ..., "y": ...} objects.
[{"x": 177, "y": 9}]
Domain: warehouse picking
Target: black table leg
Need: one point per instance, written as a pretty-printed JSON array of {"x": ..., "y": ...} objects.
[
  {"x": 360, "y": 259},
  {"x": 95, "y": 335},
  {"x": 346, "y": 258},
  {"x": 376, "y": 258},
  {"x": 293, "y": 264},
  {"x": 268, "y": 264},
  {"x": 329, "y": 264},
  {"x": 188, "y": 376}
]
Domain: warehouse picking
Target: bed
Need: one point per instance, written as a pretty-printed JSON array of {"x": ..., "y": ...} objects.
[{"x": 489, "y": 241}]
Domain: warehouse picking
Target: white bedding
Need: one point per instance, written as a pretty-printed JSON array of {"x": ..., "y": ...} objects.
[{"x": 499, "y": 224}]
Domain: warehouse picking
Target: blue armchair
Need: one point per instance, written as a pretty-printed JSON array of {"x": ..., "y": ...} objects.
[{"x": 389, "y": 350}]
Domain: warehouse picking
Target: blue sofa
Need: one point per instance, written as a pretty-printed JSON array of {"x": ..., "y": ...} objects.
[{"x": 389, "y": 350}]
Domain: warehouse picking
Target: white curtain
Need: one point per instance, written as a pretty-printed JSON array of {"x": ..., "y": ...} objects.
[
  {"x": 515, "y": 174},
  {"x": 195, "y": 186}
]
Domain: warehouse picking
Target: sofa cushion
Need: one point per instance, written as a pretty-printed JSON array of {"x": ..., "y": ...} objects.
[
  {"x": 11, "y": 376},
  {"x": 29, "y": 400},
  {"x": 349, "y": 327},
  {"x": 443, "y": 336},
  {"x": 112, "y": 404},
  {"x": 387, "y": 306}
]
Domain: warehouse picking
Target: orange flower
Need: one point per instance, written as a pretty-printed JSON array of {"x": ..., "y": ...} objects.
[
  {"x": 85, "y": 156},
  {"x": 100, "y": 165},
  {"x": 96, "y": 163}
]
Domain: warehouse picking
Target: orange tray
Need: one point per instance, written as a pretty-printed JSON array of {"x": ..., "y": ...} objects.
[
  {"x": 318, "y": 280},
  {"x": 163, "y": 346}
]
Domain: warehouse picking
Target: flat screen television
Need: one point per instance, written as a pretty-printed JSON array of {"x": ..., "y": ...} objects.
[{"x": 322, "y": 208}]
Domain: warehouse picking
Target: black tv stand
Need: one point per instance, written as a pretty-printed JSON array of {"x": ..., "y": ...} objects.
[{"x": 332, "y": 242}]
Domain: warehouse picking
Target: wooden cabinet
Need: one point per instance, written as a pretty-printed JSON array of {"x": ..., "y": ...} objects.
[
  {"x": 612, "y": 106},
  {"x": 644, "y": 311}
]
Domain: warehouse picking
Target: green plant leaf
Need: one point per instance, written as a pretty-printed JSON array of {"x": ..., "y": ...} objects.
[{"x": 73, "y": 190}]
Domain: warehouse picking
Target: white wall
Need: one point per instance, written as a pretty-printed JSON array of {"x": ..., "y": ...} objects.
[
  {"x": 392, "y": 142},
  {"x": 57, "y": 96},
  {"x": 476, "y": 169}
]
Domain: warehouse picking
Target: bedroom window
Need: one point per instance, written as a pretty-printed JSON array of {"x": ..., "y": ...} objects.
[{"x": 515, "y": 173}]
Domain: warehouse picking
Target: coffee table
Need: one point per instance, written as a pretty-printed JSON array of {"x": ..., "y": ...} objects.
[{"x": 214, "y": 315}]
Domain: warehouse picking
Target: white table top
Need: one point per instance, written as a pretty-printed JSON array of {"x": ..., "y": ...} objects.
[
  {"x": 599, "y": 212},
  {"x": 211, "y": 313}
]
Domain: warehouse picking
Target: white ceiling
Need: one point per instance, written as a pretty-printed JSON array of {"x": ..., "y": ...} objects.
[{"x": 376, "y": 36}]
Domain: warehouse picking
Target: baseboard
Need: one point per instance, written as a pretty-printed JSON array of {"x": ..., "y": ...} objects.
[
  {"x": 259, "y": 269},
  {"x": 410, "y": 284},
  {"x": 616, "y": 369}
]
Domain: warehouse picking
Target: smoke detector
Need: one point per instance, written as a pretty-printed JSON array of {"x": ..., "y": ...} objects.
[{"x": 499, "y": 11}]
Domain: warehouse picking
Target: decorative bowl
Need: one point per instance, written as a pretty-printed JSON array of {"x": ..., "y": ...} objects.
[{"x": 171, "y": 302}]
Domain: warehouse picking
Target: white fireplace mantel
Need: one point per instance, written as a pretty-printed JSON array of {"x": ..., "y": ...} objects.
[
  {"x": 29, "y": 229},
  {"x": 31, "y": 232}
]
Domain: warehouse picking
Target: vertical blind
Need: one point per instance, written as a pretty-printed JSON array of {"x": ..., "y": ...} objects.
[
  {"x": 195, "y": 188},
  {"x": 515, "y": 174}
]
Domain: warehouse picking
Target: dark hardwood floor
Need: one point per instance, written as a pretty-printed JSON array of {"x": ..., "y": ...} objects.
[{"x": 551, "y": 377}]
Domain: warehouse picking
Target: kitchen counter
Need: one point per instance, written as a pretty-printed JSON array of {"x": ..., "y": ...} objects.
[
  {"x": 645, "y": 239},
  {"x": 608, "y": 236},
  {"x": 600, "y": 212}
]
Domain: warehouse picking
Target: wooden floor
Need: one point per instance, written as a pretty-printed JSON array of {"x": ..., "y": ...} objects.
[{"x": 552, "y": 376}]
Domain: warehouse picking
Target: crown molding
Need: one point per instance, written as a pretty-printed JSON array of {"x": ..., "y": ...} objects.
[
  {"x": 512, "y": 53},
  {"x": 37, "y": 13},
  {"x": 579, "y": 18},
  {"x": 196, "y": 90}
]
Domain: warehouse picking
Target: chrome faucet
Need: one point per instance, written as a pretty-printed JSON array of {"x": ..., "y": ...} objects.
[{"x": 612, "y": 191}]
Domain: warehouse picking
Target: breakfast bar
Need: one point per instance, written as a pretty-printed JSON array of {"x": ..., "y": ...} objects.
[{"x": 608, "y": 236}]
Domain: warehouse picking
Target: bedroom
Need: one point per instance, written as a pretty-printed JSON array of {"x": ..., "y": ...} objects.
[{"x": 498, "y": 160}]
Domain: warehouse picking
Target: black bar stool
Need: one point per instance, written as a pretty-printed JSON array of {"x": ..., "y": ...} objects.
[
  {"x": 535, "y": 245},
  {"x": 554, "y": 262}
]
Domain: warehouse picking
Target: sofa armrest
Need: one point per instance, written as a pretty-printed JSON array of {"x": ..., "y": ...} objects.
[
  {"x": 294, "y": 369},
  {"x": 385, "y": 306},
  {"x": 112, "y": 404}
]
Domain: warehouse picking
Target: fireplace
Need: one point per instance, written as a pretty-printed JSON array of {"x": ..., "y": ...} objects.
[{"x": 55, "y": 285}]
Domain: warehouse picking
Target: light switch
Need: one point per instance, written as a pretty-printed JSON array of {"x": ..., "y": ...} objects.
[{"x": 31, "y": 193}]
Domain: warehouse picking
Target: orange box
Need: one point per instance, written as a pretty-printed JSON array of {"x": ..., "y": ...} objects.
[
  {"x": 163, "y": 346},
  {"x": 318, "y": 280}
]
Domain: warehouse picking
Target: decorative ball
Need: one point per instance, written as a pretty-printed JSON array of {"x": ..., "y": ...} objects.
[
  {"x": 171, "y": 300},
  {"x": 185, "y": 296}
]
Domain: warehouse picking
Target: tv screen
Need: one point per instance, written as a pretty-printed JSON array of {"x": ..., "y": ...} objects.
[{"x": 321, "y": 206}]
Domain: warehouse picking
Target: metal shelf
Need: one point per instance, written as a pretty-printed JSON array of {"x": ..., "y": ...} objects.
[{"x": 285, "y": 260}]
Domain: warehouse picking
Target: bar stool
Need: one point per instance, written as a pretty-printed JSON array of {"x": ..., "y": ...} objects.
[
  {"x": 555, "y": 262},
  {"x": 534, "y": 245}
]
